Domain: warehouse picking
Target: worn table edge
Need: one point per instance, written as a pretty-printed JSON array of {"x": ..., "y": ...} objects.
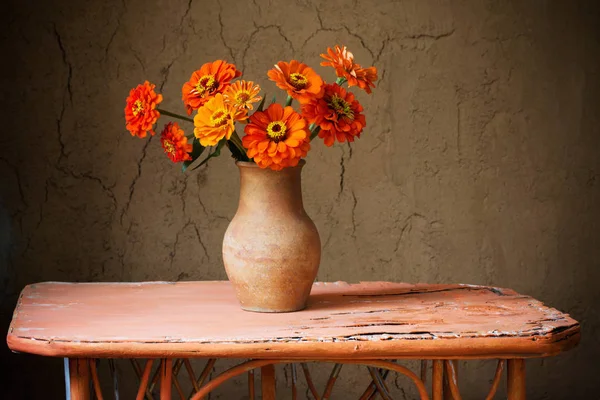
[
  {"x": 513, "y": 347},
  {"x": 516, "y": 347}
]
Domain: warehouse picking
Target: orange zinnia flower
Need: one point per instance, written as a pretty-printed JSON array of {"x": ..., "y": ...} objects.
[
  {"x": 298, "y": 79},
  {"x": 338, "y": 115},
  {"x": 140, "y": 111},
  {"x": 243, "y": 94},
  {"x": 365, "y": 78},
  {"x": 210, "y": 79},
  {"x": 345, "y": 67},
  {"x": 216, "y": 120},
  {"x": 175, "y": 143},
  {"x": 276, "y": 138}
]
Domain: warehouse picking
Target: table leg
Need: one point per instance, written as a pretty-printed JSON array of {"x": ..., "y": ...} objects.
[
  {"x": 516, "y": 379},
  {"x": 166, "y": 368},
  {"x": 437, "y": 380},
  {"x": 451, "y": 380},
  {"x": 268, "y": 382},
  {"x": 79, "y": 379}
]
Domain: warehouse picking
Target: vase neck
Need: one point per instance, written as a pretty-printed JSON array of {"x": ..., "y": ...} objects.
[{"x": 264, "y": 190}]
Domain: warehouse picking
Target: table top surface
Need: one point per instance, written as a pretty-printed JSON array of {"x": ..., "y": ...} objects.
[{"x": 358, "y": 321}]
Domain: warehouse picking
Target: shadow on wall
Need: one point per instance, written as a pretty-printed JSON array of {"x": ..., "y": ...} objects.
[{"x": 4, "y": 251}]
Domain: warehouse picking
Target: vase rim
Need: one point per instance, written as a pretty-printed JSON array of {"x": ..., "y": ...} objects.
[{"x": 249, "y": 164}]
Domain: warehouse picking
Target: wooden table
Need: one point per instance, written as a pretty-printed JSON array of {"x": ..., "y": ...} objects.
[{"x": 369, "y": 323}]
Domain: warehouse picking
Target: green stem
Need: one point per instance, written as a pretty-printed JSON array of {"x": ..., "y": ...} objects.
[
  {"x": 288, "y": 102},
  {"x": 170, "y": 114},
  {"x": 235, "y": 139},
  {"x": 314, "y": 133},
  {"x": 340, "y": 81}
]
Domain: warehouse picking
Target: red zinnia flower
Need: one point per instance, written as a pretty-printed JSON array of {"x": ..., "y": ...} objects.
[
  {"x": 175, "y": 143},
  {"x": 337, "y": 113},
  {"x": 140, "y": 111}
]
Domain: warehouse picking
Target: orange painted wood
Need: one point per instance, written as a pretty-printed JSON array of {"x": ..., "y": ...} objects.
[
  {"x": 96, "y": 380},
  {"x": 496, "y": 381},
  {"x": 342, "y": 321},
  {"x": 144, "y": 380},
  {"x": 166, "y": 370},
  {"x": 451, "y": 391},
  {"x": 437, "y": 380},
  {"x": 79, "y": 374},
  {"x": 267, "y": 377},
  {"x": 516, "y": 379}
]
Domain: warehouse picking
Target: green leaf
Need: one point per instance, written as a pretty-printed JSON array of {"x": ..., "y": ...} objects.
[
  {"x": 315, "y": 133},
  {"x": 235, "y": 152},
  {"x": 197, "y": 151},
  {"x": 215, "y": 153},
  {"x": 340, "y": 81},
  {"x": 274, "y": 99},
  {"x": 262, "y": 103}
]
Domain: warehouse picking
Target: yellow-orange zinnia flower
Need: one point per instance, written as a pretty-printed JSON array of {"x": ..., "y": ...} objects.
[
  {"x": 243, "y": 94},
  {"x": 343, "y": 62},
  {"x": 338, "y": 115},
  {"x": 175, "y": 143},
  {"x": 298, "y": 79},
  {"x": 276, "y": 138},
  {"x": 210, "y": 79},
  {"x": 216, "y": 119},
  {"x": 140, "y": 110}
]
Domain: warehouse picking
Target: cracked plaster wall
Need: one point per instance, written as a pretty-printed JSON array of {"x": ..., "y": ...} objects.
[{"x": 479, "y": 163}]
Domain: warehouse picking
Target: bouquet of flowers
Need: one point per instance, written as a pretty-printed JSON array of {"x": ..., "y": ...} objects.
[{"x": 275, "y": 137}]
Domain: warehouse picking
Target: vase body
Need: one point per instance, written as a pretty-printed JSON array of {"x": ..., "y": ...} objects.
[{"x": 271, "y": 249}]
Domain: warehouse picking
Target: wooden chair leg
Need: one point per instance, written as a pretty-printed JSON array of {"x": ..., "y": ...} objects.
[
  {"x": 516, "y": 379},
  {"x": 268, "y": 382},
  {"x": 79, "y": 379}
]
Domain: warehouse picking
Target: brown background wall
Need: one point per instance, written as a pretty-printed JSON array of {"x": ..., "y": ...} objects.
[{"x": 479, "y": 164}]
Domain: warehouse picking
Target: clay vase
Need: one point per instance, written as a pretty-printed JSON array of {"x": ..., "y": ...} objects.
[{"x": 271, "y": 248}]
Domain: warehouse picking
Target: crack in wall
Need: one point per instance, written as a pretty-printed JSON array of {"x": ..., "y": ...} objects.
[
  {"x": 138, "y": 59},
  {"x": 342, "y": 174},
  {"x": 65, "y": 61},
  {"x": 202, "y": 243},
  {"x": 430, "y": 36},
  {"x": 165, "y": 72},
  {"x": 67, "y": 94},
  {"x": 406, "y": 226},
  {"x": 384, "y": 44},
  {"x": 257, "y": 30},
  {"x": 18, "y": 178},
  {"x": 221, "y": 30},
  {"x": 186, "y": 13},
  {"x": 113, "y": 35},
  {"x": 361, "y": 40},
  {"x": 354, "y": 203},
  {"x": 134, "y": 180}
]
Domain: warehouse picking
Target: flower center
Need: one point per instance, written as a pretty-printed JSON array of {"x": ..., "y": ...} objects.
[
  {"x": 241, "y": 98},
  {"x": 341, "y": 107},
  {"x": 276, "y": 130},
  {"x": 169, "y": 147},
  {"x": 219, "y": 117},
  {"x": 138, "y": 107},
  {"x": 298, "y": 81},
  {"x": 206, "y": 84}
]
